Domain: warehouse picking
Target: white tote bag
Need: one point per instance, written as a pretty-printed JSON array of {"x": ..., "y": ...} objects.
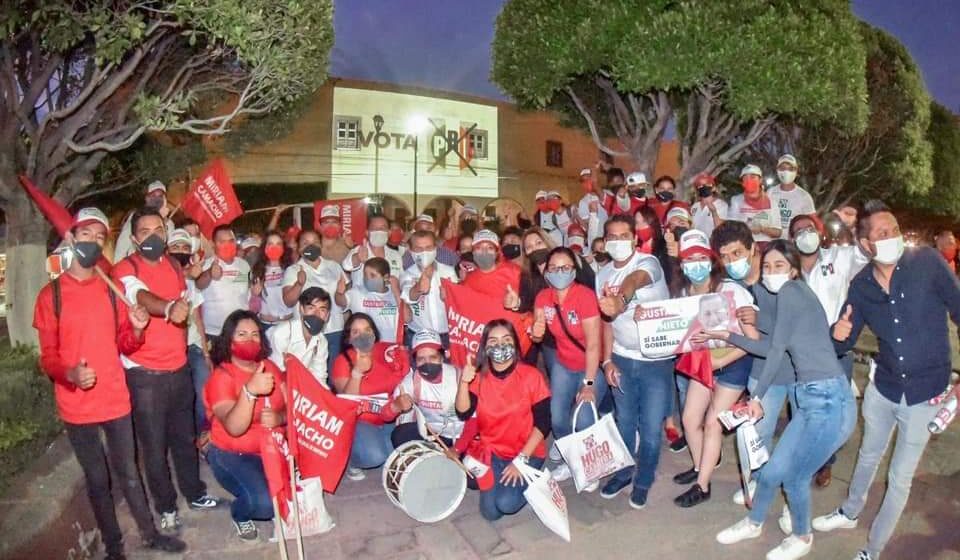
[
  {"x": 594, "y": 452},
  {"x": 547, "y": 500},
  {"x": 314, "y": 518}
]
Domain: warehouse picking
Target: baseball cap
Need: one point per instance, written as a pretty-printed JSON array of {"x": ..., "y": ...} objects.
[
  {"x": 678, "y": 212},
  {"x": 704, "y": 179},
  {"x": 90, "y": 215},
  {"x": 331, "y": 211},
  {"x": 180, "y": 235},
  {"x": 292, "y": 231},
  {"x": 694, "y": 242},
  {"x": 424, "y": 218},
  {"x": 576, "y": 229},
  {"x": 486, "y": 235},
  {"x": 751, "y": 169},
  {"x": 637, "y": 178},
  {"x": 553, "y": 194},
  {"x": 156, "y": 186},
  {"x": 540, "y": 195},
  {"x": 468, "y": 209},
  {"x": 586, "y": 171},
  {"x": 249, "y": 243},
  {"x": 426, "y": 339},
  {"x": 787, "y": 158}
]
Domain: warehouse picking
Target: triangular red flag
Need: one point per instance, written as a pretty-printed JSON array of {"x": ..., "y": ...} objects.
[
  {"x": 697, "y": 365},
  {"x": 55, "y": 213},
  {"x": 273, "y": 454}
]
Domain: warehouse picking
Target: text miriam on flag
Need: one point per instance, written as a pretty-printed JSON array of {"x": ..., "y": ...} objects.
[
  {"x": 273, "y": 453},
  {"x": 468, "y": 312},
  {"x": 211, "y": 200}
]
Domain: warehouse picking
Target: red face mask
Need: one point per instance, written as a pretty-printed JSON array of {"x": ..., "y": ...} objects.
[
  {"x": 273, "y": 252},
  {"x": 949, "y": 254},
  {"x": 553, "y": 205},
  {"x": 587, "y": 185},
  {"x": 644, "y": 234},
  {"x": 396, "y": 237},
  {"x": 227, "y": 250},
  {"x": 330, "y": 231},
  {"x": 248, "y": 350},
  {"x": 751, "y": 184},
  {"x": 542, "y": 205}
]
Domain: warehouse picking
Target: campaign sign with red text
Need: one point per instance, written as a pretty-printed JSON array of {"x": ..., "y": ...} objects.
[
  {"x": 468, "y": 312},
  {"x": 665, "y": 327},
  {"x": 211, "y": 200},
  {"x": 353, "y": 217}
]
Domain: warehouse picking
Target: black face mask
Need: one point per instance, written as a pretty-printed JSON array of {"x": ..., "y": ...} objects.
[
  {"x": 638, "y": 193},
  {"x": 665, "y": 196},
  {"x": 311, "y": 252},
  {"x": 152, "y": 247},
  {"x": 468, "y": 256},
  {"x": 87, "y": 253},
  {"x": 539, "y": 256},
  {"x": 705, "y": 191},
  {"x": 253, "y": 257},
  {"x": 313, "y": 324},
  {"x": 601, "y": 258},
  {"x": 679, "y": 231},
  {"x": 430, "y": 370},
  {"x": 182, "y": 258},
  {"x": 511, "y": 251},
  {"x": 468, "y": 227}
]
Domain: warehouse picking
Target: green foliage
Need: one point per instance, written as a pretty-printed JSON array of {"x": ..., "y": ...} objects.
[{"x": 944, "y": 136}]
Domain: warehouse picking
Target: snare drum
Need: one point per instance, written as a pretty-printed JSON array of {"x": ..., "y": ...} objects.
[{"x": 423, "y": 482}]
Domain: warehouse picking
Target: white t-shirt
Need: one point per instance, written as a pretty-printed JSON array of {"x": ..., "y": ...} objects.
[
  {"x": 196, "y": 300},
  {"x": 382, "y": 307},
  {"x": 556, "y": 225},
  {"x": 766, "y": 217},
  {"x": 286, "y": 337},
  {"x": 272, "y": 295},
  {"x": 429, "y": 312},
  {"x": 327, "y": 275},
  {"x": 830, "y": 277},
  {"x": 123, "y": 246},
  {"x": 224, "y": 296},
  {"x": 703, "y": 219},
  {"x": 597, "y": 218},
  {"x": 791, "y": 203},
  {"x": 435, "y": 400},
  {"x": 394, "y": 259},
  {"x": 626, "y": 335}
]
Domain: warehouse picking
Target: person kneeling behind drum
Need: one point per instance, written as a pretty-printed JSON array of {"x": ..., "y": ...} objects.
[{"x": 431, "y": 385}]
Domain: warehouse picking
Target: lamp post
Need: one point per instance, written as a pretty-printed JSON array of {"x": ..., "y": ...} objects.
[
  {"x": 377, "y": 125},
  {"x": 415, "y": 125}
]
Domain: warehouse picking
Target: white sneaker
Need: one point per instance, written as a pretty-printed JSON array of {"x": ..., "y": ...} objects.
[
  {"x": 738, "y": 497},
  {"x": 170, "y": 523},
  {"x": 791, "y": 548},
  {"x": 785, "y": 522},
  {"x": 863, "y": 555},
  {"x": 592, "y": 487},
  {"x": 833, "y": 520},
  {"x": 555, "y": 455},
  {"x": 561, "y": 472},
  {"x": 353, "y": 473},
  {"x": 739, "y": 531}
]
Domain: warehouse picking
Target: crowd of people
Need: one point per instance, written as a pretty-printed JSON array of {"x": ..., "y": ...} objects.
[{"x": 194, "y": 366}]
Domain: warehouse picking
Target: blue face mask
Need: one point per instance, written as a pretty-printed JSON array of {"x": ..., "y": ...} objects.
[
  {"x": 559, "y": 279},
  {"x": 697, "y": 271},
  {"x": 738, "y": 269}
]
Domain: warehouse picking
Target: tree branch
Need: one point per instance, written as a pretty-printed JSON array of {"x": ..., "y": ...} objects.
[{"x": 592, "y": 125}]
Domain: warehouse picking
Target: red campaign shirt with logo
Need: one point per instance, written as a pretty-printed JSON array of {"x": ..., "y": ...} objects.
[
  {"x": 86, "y": 330},
  {"x": 390, "y": 365},
  {"x": 580, "y": 304},
  {"x": 165, "y": 347},
  {"x": 494, "y": 283},
  {"x": 226, "y": 384},
  {"x": 505, "y": 409}
]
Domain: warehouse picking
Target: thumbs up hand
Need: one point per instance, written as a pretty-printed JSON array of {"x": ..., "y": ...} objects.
[
  {"x": 511, "y": 300},
  {"x": 301, "y": 276},
  {"x": 82, "y": 375},
  {"x": 844, "y": 325},
  {"x": 261, "y": 382},
  {"x": 611, "y": 304},
  {"x": 539, "y": 325},
  {"x": 216, "y": 271},
  {"x": 673, "y": 248},
  {"x": 469, "y": 371}
]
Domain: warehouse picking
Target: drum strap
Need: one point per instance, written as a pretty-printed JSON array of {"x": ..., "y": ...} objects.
[{"x": 416, "y": 387}]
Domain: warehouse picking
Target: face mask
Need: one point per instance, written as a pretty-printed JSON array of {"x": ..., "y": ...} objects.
[
  {"x": 395, "y": 238},
  {"x": 738, "y": 269},
  {"x": 697, "y": 271},
  {"x": 889, "y": 251},
  {"x": 273, "y": 252},
  {"x": 786, "y": 176},
  {"x": 253, "y": 256},
  {"x": 155, "y": 202},
  {"x": 644, "y": 234},
  {"x": 485, "y": 261},
  {"x": 311, "y": 252},
  {"x": 374, "y": 284},
  {"x": 313, "y": 324},
  {"x": 665, "y": 196},
  {"x": 511, "y": 251},
  {"x": 678, "y": 231},
  {"x": 705, "y": 191},
  {"x": 248, "y": 350},
  {"x": 330, "y": 231},
  {"x": 468, "y": 256},
  {"x": 638, "y": 193},
  {"x": 182, "y": 258},
  {"x": 152, "y": 247},
  {"x": 425, "y": 258},
  {"x": 623, "y": 202},
  {"x": 501, "y": 354},
  {"x": 559, "y": 279},
  {"x": 542, "y": 205},
  {"x": 619, "y": 249},
  {"x": 587, "y": 185},
  {"x": 553, "y": 205},
  {"x": 363, "y": 342},
  {"x": 601, "y": 258},
  {"x": 430, "y": 370},
  {"x": 774, "y": 282},
  {"x": 226, "y": 251},
  {"x": 575, "y": 243},
  {"x": 808, "y": 242},
  {"x": 751, "y": 184},
  {"x": 468, "y": 227},
  {"x": 378, "y": 238},
  {"x": 87, "y": 253}
]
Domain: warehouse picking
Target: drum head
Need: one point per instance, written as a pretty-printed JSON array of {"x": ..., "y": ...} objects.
[{"x": 432, "y": 489}]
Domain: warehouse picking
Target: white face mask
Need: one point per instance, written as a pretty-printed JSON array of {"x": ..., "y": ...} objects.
[
  {"x": 623, "y": 202},
  {"x": 425, "y": 258},
  {"x": 619, "y": 249},
  {"x": 378, "y": 238},
  {"x": 889, "y": 251},
  {"x": 808, "y": 242},
  {"x": 774, "y": 282},
  {"x": 786, "y": 176}
]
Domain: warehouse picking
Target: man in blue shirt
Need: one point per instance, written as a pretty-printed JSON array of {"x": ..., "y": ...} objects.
[{"x": 904, "y": 297}]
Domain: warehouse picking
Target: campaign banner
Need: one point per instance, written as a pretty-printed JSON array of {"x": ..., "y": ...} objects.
[
  {"x": 353, "y": 216},
  {"x": 211, "y": 200},
  {"x": 665, "y": 327},
  {"x": 320, "y": 426},
  {"x": 468, "y": 312},
  {"x": 273, "y": 454}
]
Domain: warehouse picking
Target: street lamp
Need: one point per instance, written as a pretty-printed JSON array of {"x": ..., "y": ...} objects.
[{"x": 416, "y": 124}]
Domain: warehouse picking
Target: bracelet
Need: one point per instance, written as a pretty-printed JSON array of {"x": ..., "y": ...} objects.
[
  {"x": 604, "y": 363},
  {"x": 247, "y": 392},
  {"x": 166, "y": 310}
]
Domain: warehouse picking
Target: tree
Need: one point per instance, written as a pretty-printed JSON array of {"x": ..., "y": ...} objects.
[
  {"x": 81, "y": 80},
  {"x": 724, "y": 70},
  {"x": 890, "y": 156},
  {"x": 944, "y": 136}
]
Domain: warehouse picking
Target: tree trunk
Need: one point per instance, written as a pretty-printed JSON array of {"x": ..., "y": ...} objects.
[{"x": 27, "y": 232}]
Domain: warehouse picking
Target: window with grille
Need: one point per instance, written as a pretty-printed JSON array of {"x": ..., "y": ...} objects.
[
  {"x": 347, "y": 133},
  {"x": 554, "y": 153}
]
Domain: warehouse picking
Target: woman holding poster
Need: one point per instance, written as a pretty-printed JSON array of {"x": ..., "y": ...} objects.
[{"x": 512, "y": 404}]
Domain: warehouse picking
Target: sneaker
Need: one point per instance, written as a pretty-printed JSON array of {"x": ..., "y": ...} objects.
[
  {"x": 693, "y": 497},
  {"x": 205, "y": 502},
  {"x": 791, "y": 548},
  {"x": 354, "y": 473},
  {"x": 833, "y": 520},
  {"x": 738, "y": 497},
  {"x": 785, "y": 521},
  {"x": 561, "y": 472},
  {"x": 686, "y": 477},
  {"x": 165, "y": 543},
  {"x": 739, "y": 531},
  {"x": 613, "y": 487},
  {"x": 863, "y": 555},
  {"x": 678, "y": 445},
  {"x": 638, "y": 498},
  {"x": 592, "y": 487},
  {"x": 169, "y": 523},
  {"x": 246, "y": 530}
]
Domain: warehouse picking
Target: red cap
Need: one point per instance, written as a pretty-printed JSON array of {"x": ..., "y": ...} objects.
[
  {"x": 292, "y": 231},
  {"x": 704, "y": 179}
]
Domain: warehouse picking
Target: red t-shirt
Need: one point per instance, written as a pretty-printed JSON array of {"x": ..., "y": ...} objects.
[
  {"x": 226, "y": 384},
  {"x": 661, "y": 208},
  {"x": 165, "y": 345},
  {"x": 505, "y": 409},
  {"x": 636, "y": 204},
  {"x": 390, "y": 365},
  {"x": 580, "y": 304},
  {"x": 494, "y": 283},
  {"x": 86, "y": 330}
]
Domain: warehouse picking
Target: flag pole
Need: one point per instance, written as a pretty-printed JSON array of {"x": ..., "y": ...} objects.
[
  {"x": 278, "y": 526},
  {"x": 296, "y": 508},
  {"x": 112, "y": 285}
]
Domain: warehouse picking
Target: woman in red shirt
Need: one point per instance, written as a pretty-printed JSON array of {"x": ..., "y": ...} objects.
[
  {"x": 244, "y": 399},
  {"x": 367, "y": 366},
  {"x": 512, "y": 403}
]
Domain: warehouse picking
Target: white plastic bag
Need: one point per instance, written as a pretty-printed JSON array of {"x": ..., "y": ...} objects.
[
  {"x": 594, "y": 452},
  {"x": 547, "y": 500},
  {"x": 314, "y": 518},
  {"x": 757, "y": 453}
]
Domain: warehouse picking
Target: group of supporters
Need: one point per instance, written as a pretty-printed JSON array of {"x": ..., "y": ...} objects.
[{"x": 196, "y": 365}]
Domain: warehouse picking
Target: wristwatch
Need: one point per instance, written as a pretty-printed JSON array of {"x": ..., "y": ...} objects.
[
  {"x": 587, "y": 382},
  {"x": 523, "y": 458}
]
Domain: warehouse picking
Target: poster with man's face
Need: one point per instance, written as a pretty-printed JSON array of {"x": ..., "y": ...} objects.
[{"x": 666, "y": 326}]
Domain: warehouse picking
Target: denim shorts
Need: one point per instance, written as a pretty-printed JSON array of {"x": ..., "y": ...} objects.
[{"x": 735, "y": 375}]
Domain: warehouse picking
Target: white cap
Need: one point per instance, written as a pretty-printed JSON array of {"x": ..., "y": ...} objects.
[
  {"x": 787, "y": 158},
  {"x": 468, "y": 209},
  {"x": 553, "y": 194},
  {"x": 424, "y": 218},
  {"x": 331, "y": 211},
  {"x": 486, "y": 235},
  {"x": 678, "y": 212},
  {"x": 156, "y": 186},
  {"x": 180, "y": 235},
  {"x": 586, "y": 171},
  {"x": 540, "y": 195},
  {"x": 694, "y": 241},
  {"x": 249, "y": 243},
  {"x": 637, "y": 178},
  {"x": 426, "y": 339},
  {"x": 751, "y": 169},
  {"x": 91, "y": 214}
]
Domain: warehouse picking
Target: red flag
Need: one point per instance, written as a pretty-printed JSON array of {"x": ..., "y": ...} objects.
[
  {"x": 353, "y": 216},
  {"x": 468, "y": 312},
  {"x": 320, "y": 426},
  {"x": 697, "y": 365},
  {"x": 58, "y": 216},
  {"x": 273, "y": 454},
  {"x": 212, "y": 201}
]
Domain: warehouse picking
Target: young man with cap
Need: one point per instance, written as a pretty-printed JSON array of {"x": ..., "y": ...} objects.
[
  {"x": 420, "y": 288},
  {"x": 156, "y": 198},
  {"x": 552, "y": 216},
  {"x": 630, "y": 196},
  {"x": 792, "y": 200},
  {"x": 445, "y": 255},
  {"x": 83, "y": 327},
  {"x": 302, "y": 335},
  {"x": 160, "y": 385},
  {"x": 378, "y": 233},
  {"x": 492, "y": 274},
  {"x": 250, "y": 248},
  {"x": 225, "y": 282},
  {"x": 756, "y": 208},
  {"x": 709, "y": 211},
  {"x": 333, "y": 245},
  {"x": 591, "y": 211}
]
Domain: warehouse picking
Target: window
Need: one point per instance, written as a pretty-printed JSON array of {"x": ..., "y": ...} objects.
[
  {"x": 478, "y": 143},
  {"x": 554, "y": 153},
  {"x": 347, "y": 131}
]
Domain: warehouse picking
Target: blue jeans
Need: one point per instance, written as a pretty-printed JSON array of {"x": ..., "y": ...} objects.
[
  {"x": 200, "y": 373},
  {"x": 772, "y": 403},
  {"x": 334, "y": 340},
  {"x": 681, "y": 385},
  {"x": 242, "y": 475},
  {"x": 371, "y": 445},
  {"x": 824, "y": 418},
  {"x": 642, "y": 402},
  {"x": 503, "y": 500},
  {"x": 564, "y": 386},
  {"x": 549, "y": 354}
]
